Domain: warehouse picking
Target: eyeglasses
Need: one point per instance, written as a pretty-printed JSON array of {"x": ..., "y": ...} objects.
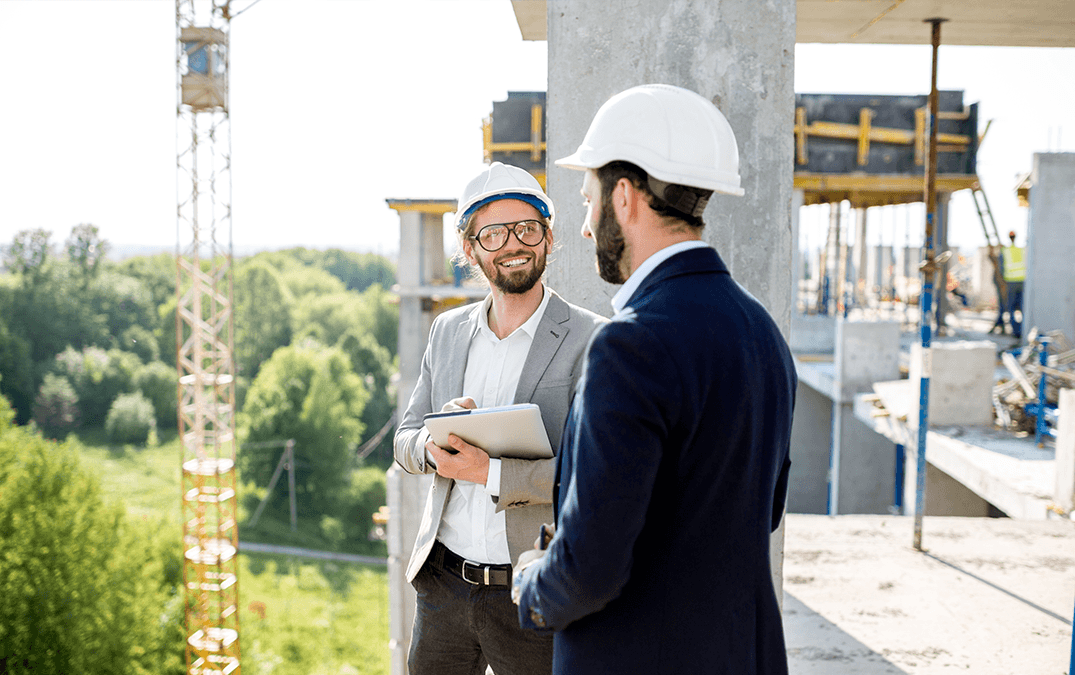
[{"x": 493, "y": 237}]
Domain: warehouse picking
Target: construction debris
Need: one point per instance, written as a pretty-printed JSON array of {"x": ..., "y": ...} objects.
[{"x": 1017, "y": 400}]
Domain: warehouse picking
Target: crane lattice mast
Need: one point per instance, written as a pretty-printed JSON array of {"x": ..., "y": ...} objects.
[{"x": 204, "y": 337}]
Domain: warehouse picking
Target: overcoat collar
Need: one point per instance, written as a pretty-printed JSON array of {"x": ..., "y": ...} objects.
[{"x": 694, "y": 261}]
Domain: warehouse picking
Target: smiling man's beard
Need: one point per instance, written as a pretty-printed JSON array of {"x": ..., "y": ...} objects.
[
  {"x": 513, "y": 282},
  {"x": 610, "y": 245}
]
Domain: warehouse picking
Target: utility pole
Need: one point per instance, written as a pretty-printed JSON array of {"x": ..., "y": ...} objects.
[{"x": 204, "y": 337}]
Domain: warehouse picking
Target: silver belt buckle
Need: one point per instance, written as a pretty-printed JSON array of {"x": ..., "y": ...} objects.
[{"x": 476, "y": 566}]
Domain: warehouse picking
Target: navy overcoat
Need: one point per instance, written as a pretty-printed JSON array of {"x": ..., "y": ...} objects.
[{"x": 673, "y": 471}]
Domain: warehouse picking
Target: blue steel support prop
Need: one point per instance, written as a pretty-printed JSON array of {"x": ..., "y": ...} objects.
[
  {"x": 897, "y": 498},
  {"x": 929, "y": 269},
  {"x": 1041, "y": 410}
]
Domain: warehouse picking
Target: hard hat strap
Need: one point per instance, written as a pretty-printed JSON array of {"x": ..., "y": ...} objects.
[{"x": 682, "y": 198}]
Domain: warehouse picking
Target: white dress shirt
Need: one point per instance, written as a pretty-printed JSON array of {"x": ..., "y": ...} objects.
[
  {"x": 470, "y": 526},
  {"x": 619, "y": 301}
]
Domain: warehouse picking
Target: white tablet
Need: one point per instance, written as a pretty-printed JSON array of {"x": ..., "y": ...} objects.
[{"x": 504, "y": 431}]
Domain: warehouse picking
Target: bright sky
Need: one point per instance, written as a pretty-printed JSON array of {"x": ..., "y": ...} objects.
[{"x": 337, "y": 105}]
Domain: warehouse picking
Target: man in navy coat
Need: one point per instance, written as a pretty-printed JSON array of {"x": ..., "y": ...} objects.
[{"x": 673, "y": 465}]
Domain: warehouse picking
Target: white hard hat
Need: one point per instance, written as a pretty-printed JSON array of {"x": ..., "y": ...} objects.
[
  {"x": 674, "y": 134},
  {"x": 502, "y": 181}
]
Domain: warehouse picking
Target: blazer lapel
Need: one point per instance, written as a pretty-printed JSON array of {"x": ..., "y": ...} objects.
[
  {"x": 550, "y": 334},
  {"x": 459, "y": 350}
]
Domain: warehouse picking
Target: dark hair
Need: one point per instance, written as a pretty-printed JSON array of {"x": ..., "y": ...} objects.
[{"x": 611, "y": 173}]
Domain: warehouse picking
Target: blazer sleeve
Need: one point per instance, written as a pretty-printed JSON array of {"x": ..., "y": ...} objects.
[
  {"x": 525, "y": 482},
  {"x": 409, "y": 444},
  {"x": 625, "y": 407}
]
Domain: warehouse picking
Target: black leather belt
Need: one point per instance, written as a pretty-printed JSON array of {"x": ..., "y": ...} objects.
[{"x": 479, "y": 574}]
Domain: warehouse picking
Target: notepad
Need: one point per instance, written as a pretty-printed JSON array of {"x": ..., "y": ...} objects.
[{"x": 514, "y": 431}]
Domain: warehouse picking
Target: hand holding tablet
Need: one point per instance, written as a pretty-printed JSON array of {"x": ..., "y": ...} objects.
[{"x": 514, "y": 431}]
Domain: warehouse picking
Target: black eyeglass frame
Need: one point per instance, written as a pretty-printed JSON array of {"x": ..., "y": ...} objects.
[{"x": 511, "y": 230}]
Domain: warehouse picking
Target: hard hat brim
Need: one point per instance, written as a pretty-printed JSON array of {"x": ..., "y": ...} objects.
[{"x": 584, "y": 159}]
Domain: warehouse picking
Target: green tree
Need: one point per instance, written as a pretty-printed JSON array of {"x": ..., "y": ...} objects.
[
  {"x": 158, "y": 382},
  {"x": 16, "y": 363},
  {"x": 156, "y": 272},
  {"x": 375, "y": 366},
  {"x": 86, "y": 249},
  {"x": 98, "y": 377},
  {"x": 262, "y": 306},
  {"x": 121, "y": 302},
  {"x": 358, "y": 271},
  {"x": 306, "y": 281},
  {"x": 308, "y": 393},
  {"x": 380, "y": 314},
  {"x": 81, "y": 589},
  {"x": 327, "y": 318},
  {"x": 140, "y": 341},
  {"x": 56, "y": 409},
  {"x": 130, "y": 419},
  {"x": 29, "y": 252}
]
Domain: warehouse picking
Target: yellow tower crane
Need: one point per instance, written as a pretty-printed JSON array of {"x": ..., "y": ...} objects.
[{"x": 204, "y": 337}]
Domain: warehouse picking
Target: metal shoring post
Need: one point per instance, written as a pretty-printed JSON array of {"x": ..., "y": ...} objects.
[
  {"x": 926, "y": 302},
  {"x": 1041, "y": 425}
]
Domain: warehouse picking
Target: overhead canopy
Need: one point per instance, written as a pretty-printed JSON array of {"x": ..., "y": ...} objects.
[{"x": 997, "y": 23}]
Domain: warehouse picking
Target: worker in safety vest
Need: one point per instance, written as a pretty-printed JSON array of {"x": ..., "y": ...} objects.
[{"x": 1013, "y": 264}]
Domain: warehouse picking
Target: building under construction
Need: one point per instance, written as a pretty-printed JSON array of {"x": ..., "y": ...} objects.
[{"x": 871, "y": 327}]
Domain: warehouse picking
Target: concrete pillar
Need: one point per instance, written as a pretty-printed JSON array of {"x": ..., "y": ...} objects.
[
  {"x": 961, "y": 383},
  {"x": 797, "y": 275},
  {"x": 737, "y": 53},
  {"x": 840, "y": 263},
  {"x": 862, "y": 468},
  {"x": 860, "y": 253},
  {"x": 1064, "y": 493},
  {"x": 1049, "y": 292},
  {"x": 421, "y": 268},
  {"x": 940, "y": 284},
  {"x": 811, "y": 440}
]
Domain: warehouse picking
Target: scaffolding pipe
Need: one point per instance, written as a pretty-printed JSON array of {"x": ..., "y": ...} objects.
[{"x": 929, "y": 268}]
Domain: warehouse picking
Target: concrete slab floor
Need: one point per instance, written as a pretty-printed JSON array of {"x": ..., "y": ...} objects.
[{"x": 989, "y": 596}]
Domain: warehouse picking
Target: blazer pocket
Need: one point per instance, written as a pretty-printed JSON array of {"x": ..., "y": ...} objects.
[{"x": 552, "y": 384}]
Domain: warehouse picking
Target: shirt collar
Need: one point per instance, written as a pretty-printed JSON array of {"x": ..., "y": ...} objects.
[
  {"x": 619, "y": 301},
  {"x": 529, "y": 326}
]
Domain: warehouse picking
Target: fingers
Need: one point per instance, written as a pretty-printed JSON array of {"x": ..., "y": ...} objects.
[{"x": 462, "y": 403}]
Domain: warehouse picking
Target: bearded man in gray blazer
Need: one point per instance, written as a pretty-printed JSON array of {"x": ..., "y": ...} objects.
[{"x": 522, "y": 344}]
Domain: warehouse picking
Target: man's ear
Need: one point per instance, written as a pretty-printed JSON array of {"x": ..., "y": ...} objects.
[
  {"x": 468, "y": 251},
  {"x": 626, "y": 200}
]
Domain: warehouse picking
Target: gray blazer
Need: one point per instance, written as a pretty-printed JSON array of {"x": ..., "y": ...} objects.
[{"x": 548, "y": 379}]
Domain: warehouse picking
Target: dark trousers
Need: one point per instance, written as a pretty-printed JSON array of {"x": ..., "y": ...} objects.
[
  {"x": 1015, "y": 303},
  {"x": 459, "y": 628}
]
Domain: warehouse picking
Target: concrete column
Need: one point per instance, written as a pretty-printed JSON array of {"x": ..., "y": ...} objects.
[
  {"x": 421, "y": 268},
  {"x": 811, "y": 441},
  {"x": 960, "y": 385},
  {"x": 940, "y": 284},
  {"x": 862, "y": 468},
  {"x": 839, "y": 285},
  {"x": 860, "y": 257},
  {"x": 1049, "y": 291},
  {"x": 1064, "y": 494},
  {"x": 737, "y": 53},
  {"x": 797, "y": 198}
]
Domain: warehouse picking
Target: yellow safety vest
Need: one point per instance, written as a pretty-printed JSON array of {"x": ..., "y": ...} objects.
[{"x": 1014, "y": 265}]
